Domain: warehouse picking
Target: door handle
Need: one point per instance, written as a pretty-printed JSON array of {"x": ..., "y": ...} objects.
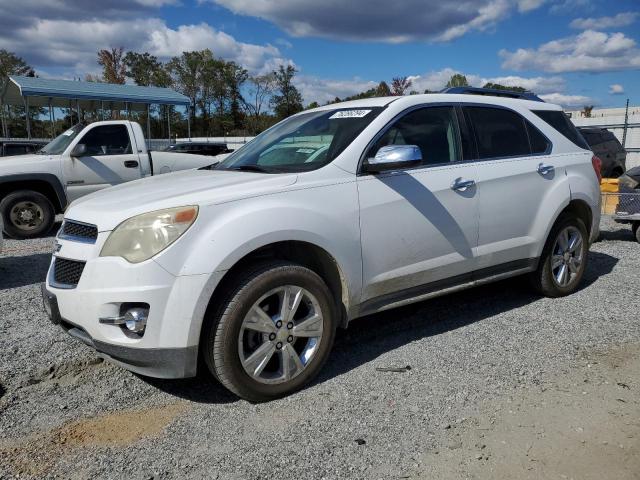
[
  {"x": 131, "y": 164},
  {"x": 460, "y": 185},
  {"x": 545, "y": 169}
]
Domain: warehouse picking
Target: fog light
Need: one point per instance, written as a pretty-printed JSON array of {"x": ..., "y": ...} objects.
[{"x": 135, "y": 319}]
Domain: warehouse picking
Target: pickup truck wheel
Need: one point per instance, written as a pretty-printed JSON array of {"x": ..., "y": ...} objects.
[
  {"x": 564, "y": 258},
  {"x": 26, "y": 214},
  {"x": 635, "y": 228},
  {"x": 272, "y": 333}
]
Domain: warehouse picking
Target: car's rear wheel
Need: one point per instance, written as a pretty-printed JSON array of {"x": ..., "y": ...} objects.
[
  {"x": 564, "y": 258},
  {"x": 26, "y": 214},
  {"x": 635, "y": 228},
  {"x": 272, "y": 332}
]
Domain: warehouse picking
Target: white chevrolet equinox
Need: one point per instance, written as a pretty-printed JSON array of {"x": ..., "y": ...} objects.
[{"x": 249, "y": 266}]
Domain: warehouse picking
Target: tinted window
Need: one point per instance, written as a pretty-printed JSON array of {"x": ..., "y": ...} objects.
[
  {"x": 562, "y": 124},
  {"x": 499, "y": 132},
  {"x": 433, "y": 130},
  {"x": 15, "y": 149},
  {"x": 539, "y": 143},
  {"x": 107, "y": 140}
]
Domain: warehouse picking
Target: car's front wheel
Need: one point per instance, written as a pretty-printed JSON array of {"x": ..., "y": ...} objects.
[
  {"x": 26, "y": 214},
  {"x": 564, "y": 258},
  {"x": 272, "y": 332}
]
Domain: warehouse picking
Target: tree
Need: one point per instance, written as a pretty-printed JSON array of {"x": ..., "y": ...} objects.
[
  {"x": 399, "y": 85},
  {"x": 586, "y": 111},
  {"x": 259, "y": 92},
  {"x": 497, "y": 86},
  {"x": 234, "y": 77},
  {"x": 383, "y": 90},
  {"x": 312, "y": 105},
  {"x": 187, "y": 73},
  {"x": 287, "y": 99},
  {"x": 11, "y": 64},
  {"x": 146, "y": 70},
  {"x": 112, "y": 63},
  {"x": 457, "y": 80}
]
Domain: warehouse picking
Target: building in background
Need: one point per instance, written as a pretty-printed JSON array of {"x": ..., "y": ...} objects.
[{"x": 613, "y": 119}]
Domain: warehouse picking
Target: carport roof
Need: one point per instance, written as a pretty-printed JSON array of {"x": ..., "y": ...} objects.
[{"x": 64, "y": 93}]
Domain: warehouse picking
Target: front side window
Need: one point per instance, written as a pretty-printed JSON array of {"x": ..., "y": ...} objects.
[
  {"x": 434, "y": 130},
  {"x": 499, "y": 132},
  {"x": 107, "y": 140},
  {"x": 303, "y": 142}
]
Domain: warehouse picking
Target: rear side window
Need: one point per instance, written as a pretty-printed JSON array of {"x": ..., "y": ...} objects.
[
  {"x": 499, "y": 132},
  {"x": 562, "y": 124}
]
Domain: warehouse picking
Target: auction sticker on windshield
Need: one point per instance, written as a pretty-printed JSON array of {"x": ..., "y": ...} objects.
[{"x": 349, "y": 114}]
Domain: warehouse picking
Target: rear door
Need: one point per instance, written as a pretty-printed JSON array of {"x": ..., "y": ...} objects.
[
  {"x": 110, "y": 160},
  {"x": 419, "y": 225},
  {"x": 518, "y": 181}
]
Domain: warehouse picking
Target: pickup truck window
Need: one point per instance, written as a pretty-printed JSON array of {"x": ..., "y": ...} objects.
[
  {"x": 107, "y": 140},
  {"x": 303, "y": 142},
  {"x": 62, "y": 141}
]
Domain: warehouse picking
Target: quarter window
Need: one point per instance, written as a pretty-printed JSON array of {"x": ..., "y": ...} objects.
[
  {"x": 107, "y": 140},
  {"x": 499, "y": 132},
  {"x": 433, "y": 130},
  {"x": 539, "y": 143}
]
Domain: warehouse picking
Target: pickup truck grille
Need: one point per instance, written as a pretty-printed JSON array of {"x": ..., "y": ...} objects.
[
  {"x": 79, "y": 232},
  {"x": 67, "y": 273}
]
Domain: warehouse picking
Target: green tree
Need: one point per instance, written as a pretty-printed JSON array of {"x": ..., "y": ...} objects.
[
  {"x": 457, "y": 80},
  {"x": 383, "y": 90},
  {"x": 112, "y": 63},
  {"x": 497, "y": 86},
  {"x": 187, "y": 75},
  {"x": 146, "y": 70},
  {"x": 287, "y": 99},
  {"x": 258, "y": 93},
  {"x": 11, "y": 64},
  {"x": 312, "y": 105}
]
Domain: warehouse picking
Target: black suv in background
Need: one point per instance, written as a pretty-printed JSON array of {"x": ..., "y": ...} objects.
[
  {"x": 199, "y": 148},
  {"x": 607, "y": 147},
  {"x": 19, "y": 147}
]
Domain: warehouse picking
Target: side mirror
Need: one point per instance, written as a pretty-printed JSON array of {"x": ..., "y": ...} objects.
[
  {"x": 394, "y": 156},
  {"x": 80, "y": 150}
]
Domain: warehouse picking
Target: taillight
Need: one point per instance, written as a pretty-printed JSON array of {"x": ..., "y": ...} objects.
[{"x": 597, "y": 167}]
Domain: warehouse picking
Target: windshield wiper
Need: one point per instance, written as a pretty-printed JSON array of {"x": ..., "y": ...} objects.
[{"x": 251, "y": 168}]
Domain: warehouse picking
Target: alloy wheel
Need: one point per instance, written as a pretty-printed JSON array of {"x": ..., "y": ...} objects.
[{"x": 567, "y": 256}]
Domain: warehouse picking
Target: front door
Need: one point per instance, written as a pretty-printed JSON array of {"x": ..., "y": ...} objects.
[
  {"x": 109, "y": 160},
  {"x": 419, "y": 226}
]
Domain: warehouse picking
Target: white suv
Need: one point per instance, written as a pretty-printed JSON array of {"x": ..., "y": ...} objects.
[{"x": 251, "y": 265}]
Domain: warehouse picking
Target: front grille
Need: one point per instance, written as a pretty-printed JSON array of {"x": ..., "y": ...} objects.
[
  {"x": 73, "y": 230},
  {"x": 67, "y": 272}
]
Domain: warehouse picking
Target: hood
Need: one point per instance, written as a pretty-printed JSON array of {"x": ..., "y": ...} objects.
[
  {"x": 108, "y": 208},
  {"x": 25, "y": 164}
]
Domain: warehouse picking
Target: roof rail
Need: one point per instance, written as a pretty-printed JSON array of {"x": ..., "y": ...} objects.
[{"x": 494, "y": 92}]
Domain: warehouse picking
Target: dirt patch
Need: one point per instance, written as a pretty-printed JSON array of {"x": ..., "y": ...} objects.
[
  {"x": 35, "y": 455},
  {"x": 58, "y": 371},
  {"x": 584, "y": 424}
]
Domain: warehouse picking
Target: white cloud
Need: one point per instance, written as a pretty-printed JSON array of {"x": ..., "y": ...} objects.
[
  {"x": 616, "y": 89},
  {"x": 315, "y": 89},
  {"x": 589, "y": 51},
  {"x": 567, "y": 100},
  {"x": 73, "y": 44},
  {"x": 603, "y": 23},
  {"x": 380, "y": 20}
]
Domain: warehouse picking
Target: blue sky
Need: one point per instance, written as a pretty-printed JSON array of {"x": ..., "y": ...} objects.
[{"x": 574, "y": 52}]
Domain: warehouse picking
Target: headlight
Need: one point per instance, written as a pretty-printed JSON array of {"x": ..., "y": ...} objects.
[{"x": 140, "y": 238}]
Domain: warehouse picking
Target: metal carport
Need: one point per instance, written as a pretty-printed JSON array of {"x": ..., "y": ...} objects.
[{"x": 41, "y": 92}]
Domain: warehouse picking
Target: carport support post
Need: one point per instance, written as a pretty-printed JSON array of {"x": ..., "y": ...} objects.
[
  {"x": 189, "y": 122},
  {"x": 102, "y": 109},
  {"x": 78, "y": 110},
  {"x": 169, "y": 122},
  {"x": 51, "y": 120},
  {"x": 26, "y": 114},
  {"x": 148, "y": 125}
]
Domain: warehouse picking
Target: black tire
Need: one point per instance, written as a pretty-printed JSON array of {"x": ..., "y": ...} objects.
[
  {"x": 41, "y": 205},
  {"x": 222, "y": 329},
  {"x": 635, "y": 228},
  {"x": 542, "y": 279}
]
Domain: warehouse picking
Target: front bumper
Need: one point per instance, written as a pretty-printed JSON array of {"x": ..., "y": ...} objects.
[{"x": 152, "y": 362}]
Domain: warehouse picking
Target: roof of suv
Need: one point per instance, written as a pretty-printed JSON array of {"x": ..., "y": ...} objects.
[{"x": 441, "y": 98}]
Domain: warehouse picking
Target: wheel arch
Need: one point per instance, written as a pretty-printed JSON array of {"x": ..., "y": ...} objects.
[{"x": 45, "y": 183}]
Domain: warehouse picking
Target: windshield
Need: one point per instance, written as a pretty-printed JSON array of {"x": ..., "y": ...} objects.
[
  {"x": 62, "y": 141},
  {"x": 301, "y": 143}
]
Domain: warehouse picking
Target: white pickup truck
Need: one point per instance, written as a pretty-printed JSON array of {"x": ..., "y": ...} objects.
[{"x": 82, "y": 160}]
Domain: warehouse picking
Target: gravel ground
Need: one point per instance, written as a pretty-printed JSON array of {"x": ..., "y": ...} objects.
[{"x": 65, "y": 413}]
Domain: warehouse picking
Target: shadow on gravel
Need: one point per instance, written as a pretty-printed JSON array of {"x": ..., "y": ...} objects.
[
  {"x": 200, "y": 389},
  {"x": 23, "y": 270},
  {"x": 623, "y": 233},
  {"x": 370, "y": 337}
]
